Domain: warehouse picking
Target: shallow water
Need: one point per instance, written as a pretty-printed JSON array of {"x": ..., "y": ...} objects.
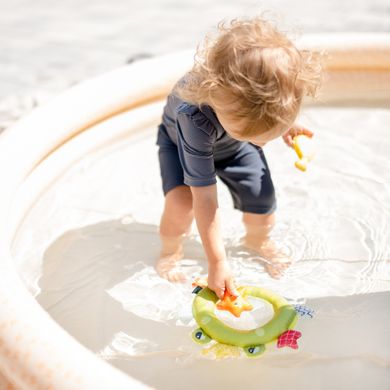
[{"x": 87, "y": 248}]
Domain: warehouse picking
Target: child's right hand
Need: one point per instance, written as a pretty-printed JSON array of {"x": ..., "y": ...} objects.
[{"x": 220, "y": 279}]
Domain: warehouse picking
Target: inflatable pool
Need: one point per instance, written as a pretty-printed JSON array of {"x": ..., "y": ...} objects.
[{"x": 37, "y": 350}]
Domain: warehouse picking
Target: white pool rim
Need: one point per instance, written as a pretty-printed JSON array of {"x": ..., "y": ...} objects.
[{"x": 35, "y": 352}]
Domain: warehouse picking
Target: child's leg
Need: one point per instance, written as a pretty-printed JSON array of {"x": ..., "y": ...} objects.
[
  {"x": 175, "y": 223},
  {"x": 258, "y": 228}
]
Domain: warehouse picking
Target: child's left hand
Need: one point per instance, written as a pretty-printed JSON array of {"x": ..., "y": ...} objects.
[{"x": 295, "y": 130}]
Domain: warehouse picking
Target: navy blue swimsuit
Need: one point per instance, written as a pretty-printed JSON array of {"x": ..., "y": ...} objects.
[{"x": 194, "y": 148}]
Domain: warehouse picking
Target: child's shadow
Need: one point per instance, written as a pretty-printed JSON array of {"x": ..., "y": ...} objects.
[{"x": 99, "y": 283}]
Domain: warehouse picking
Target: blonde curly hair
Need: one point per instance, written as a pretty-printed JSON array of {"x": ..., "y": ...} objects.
[{"x": 257, "y": 69}]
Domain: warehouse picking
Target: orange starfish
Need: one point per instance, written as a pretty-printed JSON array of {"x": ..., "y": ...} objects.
[{"x": 233, "y": 304}]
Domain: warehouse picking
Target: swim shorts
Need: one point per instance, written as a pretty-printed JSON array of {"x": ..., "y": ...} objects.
[{"x": 246, "y": 174}]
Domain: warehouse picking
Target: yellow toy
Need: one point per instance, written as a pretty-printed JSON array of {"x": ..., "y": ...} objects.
[{"x": 304, "y": 150}]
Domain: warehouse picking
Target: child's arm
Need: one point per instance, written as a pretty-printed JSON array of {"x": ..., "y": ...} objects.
[{"x": 205, "y": 204}]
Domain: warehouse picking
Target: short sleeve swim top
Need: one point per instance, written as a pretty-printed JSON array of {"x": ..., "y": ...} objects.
[{"x": 200, "y": 138}]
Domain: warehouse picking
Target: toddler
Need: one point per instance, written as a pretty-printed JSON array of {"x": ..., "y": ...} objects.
[{"x": 245, "y": 89}]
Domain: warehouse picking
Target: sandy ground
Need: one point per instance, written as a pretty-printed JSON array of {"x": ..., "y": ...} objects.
[{"x": 46, "y": 46}]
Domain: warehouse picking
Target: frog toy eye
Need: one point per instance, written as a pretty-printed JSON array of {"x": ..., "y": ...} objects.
[
  {"x": 254, "y": 351},
  {"x": 199, "y": 336}
]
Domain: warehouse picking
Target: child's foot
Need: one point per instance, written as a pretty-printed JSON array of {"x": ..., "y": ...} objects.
[
  {"x": 275, "y": 261},
  {"x": 167, "y": 266}
]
